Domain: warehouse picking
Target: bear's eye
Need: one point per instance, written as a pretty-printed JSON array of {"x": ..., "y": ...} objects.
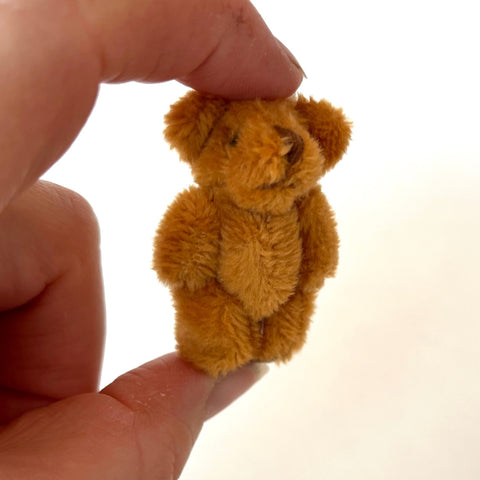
[{"x": 234, "y": 140}]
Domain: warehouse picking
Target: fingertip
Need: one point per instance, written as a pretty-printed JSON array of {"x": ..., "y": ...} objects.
[
  {"x": 300, "y": 72},
  {"x": 193, "y": 390},
  {"x": 167, "y": 380},
  {"x": 232, "y": 386},
  {"x": 267, "y": 70},
  {"x": 246, "y": 60}
]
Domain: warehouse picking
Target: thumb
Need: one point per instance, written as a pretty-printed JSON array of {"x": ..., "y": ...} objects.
[{"x": 143, "y": 425}]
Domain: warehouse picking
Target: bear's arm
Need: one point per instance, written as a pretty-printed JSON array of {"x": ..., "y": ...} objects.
[
  {"x": 319, "y": 240},
  {"x": 186, "y": 244}
]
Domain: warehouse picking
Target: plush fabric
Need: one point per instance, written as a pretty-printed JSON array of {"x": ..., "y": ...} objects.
[{"x": 245, "y": 251}]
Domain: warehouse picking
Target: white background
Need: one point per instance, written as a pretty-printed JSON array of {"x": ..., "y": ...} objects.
[{"x": 388, "y": 385}]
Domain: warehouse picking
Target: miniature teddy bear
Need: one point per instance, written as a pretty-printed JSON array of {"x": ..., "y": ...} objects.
[{"x": 246, "y": 250}]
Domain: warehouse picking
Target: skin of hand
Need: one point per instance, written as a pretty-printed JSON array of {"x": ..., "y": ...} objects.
[{"x": 53, "y": 55}]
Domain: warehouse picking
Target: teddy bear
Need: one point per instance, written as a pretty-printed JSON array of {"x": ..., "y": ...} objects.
[{"x": 246, "y": 249}]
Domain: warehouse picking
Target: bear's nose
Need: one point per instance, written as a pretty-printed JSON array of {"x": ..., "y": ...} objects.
[{"x": 293, "y": 141}]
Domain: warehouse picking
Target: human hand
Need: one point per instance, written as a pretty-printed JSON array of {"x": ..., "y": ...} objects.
[{"x": 54, "y": 54}]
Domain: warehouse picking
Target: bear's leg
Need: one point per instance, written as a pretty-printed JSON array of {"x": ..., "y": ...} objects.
[
  {"x": 284, "y": 333},
  {"x": 212, "y": 330}
]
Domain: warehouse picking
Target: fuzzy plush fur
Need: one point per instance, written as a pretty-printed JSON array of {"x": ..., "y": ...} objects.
[{"x": 246, "y": 250}]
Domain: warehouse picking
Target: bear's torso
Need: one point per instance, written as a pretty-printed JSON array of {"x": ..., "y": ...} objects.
[{"x": 260, "y": 256}]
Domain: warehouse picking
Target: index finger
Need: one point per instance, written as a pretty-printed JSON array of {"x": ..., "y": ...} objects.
[{"x": 54, "y": 54}]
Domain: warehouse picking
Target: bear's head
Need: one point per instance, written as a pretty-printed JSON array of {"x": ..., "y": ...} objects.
[{"x": 260, "y": 154}]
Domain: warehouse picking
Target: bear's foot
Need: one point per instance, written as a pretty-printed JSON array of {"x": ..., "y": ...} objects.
[
  {"x": 212, "y": 330},
  {"x": 284, "y": 333}
]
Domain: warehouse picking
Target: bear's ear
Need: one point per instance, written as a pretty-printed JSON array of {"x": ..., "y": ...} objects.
[
  {"x": 328, "y": 125},
  {"x": 190, "y": 122}
]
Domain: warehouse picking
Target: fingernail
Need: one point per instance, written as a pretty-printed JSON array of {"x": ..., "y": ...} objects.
[
  {"x": 232, "y": 386},
  {"x": 261, "y": 369},
  {"x": 292, "y": 58}
]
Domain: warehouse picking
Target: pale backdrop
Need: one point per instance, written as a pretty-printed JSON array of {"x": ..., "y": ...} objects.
[{"x": 388, "y": 385}]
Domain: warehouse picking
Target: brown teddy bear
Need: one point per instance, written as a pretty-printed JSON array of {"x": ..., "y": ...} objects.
[{"x": 246, "y": 250}]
